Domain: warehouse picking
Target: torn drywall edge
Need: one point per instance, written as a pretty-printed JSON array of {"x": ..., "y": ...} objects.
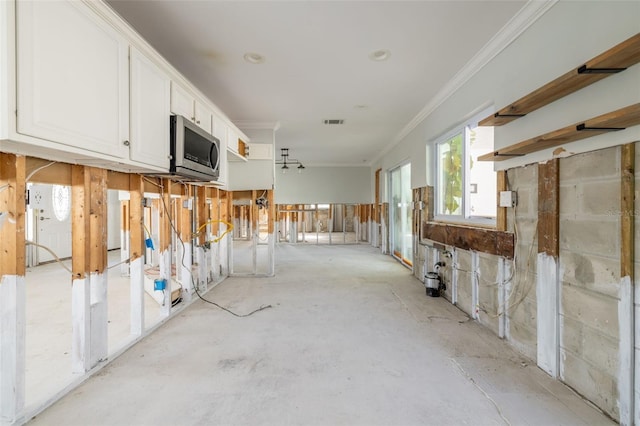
[
  {"x": 547, "y": 295},
  {"x": 626, "y": 351}
]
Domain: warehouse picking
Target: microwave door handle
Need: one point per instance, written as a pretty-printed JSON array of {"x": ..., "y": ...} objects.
[{"x": 213, "y": 146}]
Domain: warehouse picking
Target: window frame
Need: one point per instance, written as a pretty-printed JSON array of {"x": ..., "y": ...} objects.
[{"x": 463, "y": 128}]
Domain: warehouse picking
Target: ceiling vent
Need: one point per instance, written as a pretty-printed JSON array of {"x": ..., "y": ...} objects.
[{"x": 333, "y": 121}]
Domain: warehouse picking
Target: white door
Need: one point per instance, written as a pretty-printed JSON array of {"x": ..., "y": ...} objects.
[{"x": 50, "y": 208}]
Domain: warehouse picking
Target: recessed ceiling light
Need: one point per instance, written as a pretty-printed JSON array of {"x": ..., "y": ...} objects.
[
  {"x": 380, "y": 55},
  {"x": 253, "y": 58}
]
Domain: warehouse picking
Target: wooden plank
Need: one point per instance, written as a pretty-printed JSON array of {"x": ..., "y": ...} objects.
[
  {"x": 620, "y": 56},
  {"x": 501, "y": 212},
  {"x": 136, "y": 216},
  {"x": 12, "y": 204},
  {"x": 549, "y": 207},
  {"x": 490, "y": 241},
  {"x": 215, "y": 210},
  {"x": 42, "y": 171},
  {"x": 627, "y": 209},
  {"x": 619, "y": 119},
  {"x": 118, "y": 180},
  {"x": 80, "y": 249}
]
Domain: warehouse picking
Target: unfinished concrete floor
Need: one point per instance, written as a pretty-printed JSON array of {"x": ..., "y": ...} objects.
[{"x": 351, "y": 339}]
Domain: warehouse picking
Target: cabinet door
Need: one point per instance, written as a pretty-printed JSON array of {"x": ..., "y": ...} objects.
[
  {"x": 181, "y": 102},
  {"x": 73, "y": 85},
  {"x": 150, "y": 99},
  {"x": 203, "y": 117}
]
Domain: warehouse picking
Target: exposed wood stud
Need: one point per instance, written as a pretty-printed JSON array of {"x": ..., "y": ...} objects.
[
  {"x": 202, "y": 213},
  {"x": 118, "y": 180},
  {"x": 272, "y": 211},
  {"x": 12, "y": 203},
  {"x": 136, "y": 232},
  {"x": 549, "y": 207},
  {"x": 627, "y": 209},
  {"x": 165, "y": 224},
  {"x": 80, "y": 212},
  {"x": 501, "y": 213}
]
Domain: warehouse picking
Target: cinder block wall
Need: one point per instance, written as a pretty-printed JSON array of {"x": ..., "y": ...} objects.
[
  {"x": 590, "y": 275},
  {"x": 589, "y": 263}
]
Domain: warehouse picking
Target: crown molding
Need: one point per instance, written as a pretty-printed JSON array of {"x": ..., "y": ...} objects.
[{"x": 522, "y": 20}]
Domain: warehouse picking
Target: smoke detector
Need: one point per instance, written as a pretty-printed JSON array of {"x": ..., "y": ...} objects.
[{"x": 334, "y": 121}]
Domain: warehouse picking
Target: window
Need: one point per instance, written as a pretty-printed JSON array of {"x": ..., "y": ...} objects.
[{"x": 465, "y": 187}]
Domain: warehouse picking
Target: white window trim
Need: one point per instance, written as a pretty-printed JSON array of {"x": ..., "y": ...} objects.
[{"x": 462, "y": 127}]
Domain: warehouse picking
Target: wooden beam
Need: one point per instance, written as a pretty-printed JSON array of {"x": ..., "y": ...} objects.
[
  {"x": 627, "y": 208},
  {"x": 12, "y": 208},
  {"x": 136, "y": 216},
  {"x": 478, "y": 239},
  {"x": 118, "y": 180},
  {"x": 501, "y": 212},
  {"x": 42, "y": 171},
  {"x": 549, "y": 207}
]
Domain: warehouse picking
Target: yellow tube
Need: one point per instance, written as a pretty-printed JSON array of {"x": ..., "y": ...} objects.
[{"x": 229, "y": 229}]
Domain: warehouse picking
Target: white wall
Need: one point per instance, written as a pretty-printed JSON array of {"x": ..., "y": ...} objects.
[
  {"x": 566, "y": 36},
  {"x": 324, "y": 185},
  {"x": 253, "y": 174}
]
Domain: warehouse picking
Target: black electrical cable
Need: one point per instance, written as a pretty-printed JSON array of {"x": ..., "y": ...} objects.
[{"x": 261, "y": 308}]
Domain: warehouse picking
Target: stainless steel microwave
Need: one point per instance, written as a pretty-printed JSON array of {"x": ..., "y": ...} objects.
[{"x": 195, "y": 154}]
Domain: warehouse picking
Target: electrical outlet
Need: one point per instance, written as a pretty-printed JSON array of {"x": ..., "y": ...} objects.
[
  {"x": 188, "y": 204},
  {"x": 508, "y": 199}
]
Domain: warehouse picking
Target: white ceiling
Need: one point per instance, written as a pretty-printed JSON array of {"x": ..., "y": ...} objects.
[{"x": 317, "y": 63}]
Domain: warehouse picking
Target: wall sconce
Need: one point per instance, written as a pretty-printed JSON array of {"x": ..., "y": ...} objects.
[{"x": 286, "y": 161}]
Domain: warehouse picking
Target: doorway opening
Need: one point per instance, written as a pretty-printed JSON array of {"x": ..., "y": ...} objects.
[{"x": 401, "y": 214}]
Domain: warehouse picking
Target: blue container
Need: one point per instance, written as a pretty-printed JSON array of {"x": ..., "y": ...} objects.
[
  {"x": 159, "y": 284},
  {"x": 149, "y": 243}
]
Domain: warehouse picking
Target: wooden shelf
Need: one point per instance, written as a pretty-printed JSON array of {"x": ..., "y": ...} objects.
[
  {"x": 614, "y": 60},
  {"x": 612, "y": 121}
]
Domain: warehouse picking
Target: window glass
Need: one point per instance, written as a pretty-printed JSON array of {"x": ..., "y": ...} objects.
[
  {"x": 465, "y": 187},
  {"x": 450, "y": 176}
]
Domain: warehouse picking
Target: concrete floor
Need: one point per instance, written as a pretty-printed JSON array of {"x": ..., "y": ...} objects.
[
  {"x": 351, "y": 339},
  {"x": 48, "y": 325}
]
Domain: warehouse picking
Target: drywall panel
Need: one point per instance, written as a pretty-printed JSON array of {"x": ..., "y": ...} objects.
[{"x": 324, "y": 185}]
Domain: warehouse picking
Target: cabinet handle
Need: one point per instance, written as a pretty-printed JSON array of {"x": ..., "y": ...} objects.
[
  {"x": 126, "y": 143},
  {"x": 198, "y": 122},
  {"x": 170, "y": 157},
  {"x": 193, "y": 119}
]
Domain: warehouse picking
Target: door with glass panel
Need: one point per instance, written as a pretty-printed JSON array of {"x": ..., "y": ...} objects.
[{"x": 401, "y": 214}]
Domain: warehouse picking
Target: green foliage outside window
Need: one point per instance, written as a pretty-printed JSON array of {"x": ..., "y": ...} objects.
[{"x": 451, "y": 162}]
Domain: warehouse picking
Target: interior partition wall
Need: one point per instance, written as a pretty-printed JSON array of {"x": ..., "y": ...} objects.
[{"x": 401, "y": 214}]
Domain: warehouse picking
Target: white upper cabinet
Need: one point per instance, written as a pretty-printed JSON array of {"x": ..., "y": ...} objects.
[
  {"x": 150, "y": 103},
  {"x": 73, "y": 77},
  {"x": 185, "y": 104}
]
